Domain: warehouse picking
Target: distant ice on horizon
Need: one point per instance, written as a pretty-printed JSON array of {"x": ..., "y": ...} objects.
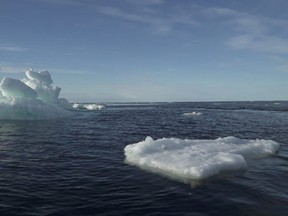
[
  {"x": 193, "y": 114},
  {"x": 88, "y": 106},
  {"x": 197, "y": 159}
]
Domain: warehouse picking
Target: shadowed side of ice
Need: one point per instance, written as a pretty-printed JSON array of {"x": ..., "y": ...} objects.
[
  {"x": 197, "y": 159},
  {"x": 33, "y": 97}
]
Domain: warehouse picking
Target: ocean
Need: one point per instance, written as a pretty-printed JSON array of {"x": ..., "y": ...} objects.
[{"x": 77, "y": 166}]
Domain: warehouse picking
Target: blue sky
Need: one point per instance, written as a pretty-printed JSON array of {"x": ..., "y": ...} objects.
[{"x": 150, "y": 50}]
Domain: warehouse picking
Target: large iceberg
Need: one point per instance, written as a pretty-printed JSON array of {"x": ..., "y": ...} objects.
[
  {"x": 197, "y": 159},
  {"x": 33, "y": 97}
]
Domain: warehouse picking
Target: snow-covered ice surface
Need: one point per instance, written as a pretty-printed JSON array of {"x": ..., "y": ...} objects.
[{"x": 197, "y": 159}]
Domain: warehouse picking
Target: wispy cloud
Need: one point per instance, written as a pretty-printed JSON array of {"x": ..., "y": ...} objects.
[
  {"x": 156, "y": 19},
  {"x": 261, "y": 43},
  {"x": 62, "y": 2},
  {"x": 246, "y": 31},
  {"x": 236, "y": 20},
  {"x": 12, "y": 48},
  {"x": 12, "y": 69},
  {"x": 146, "y": 2},
  {"x": 253, "y": 32},
  {"x": 66, "y": 71},
  {"x": 9, "y": 67},
  {"x": 116, "y": 12}
]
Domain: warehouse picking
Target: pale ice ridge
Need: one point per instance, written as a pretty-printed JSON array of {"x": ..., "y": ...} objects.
[
  {"x": 197, "y": 159},
  {"x": 32, "y": 98},
  {"x": 88, "y": 106}
]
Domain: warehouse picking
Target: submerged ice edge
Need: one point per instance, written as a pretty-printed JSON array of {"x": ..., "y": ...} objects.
[{"x": 197, "y": 159}]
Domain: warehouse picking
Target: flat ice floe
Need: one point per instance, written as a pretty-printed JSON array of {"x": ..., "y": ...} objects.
[{"x": 197, "y": 159}]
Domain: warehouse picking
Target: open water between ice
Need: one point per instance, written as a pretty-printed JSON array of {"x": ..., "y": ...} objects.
[{"x": 76, "y": 165}]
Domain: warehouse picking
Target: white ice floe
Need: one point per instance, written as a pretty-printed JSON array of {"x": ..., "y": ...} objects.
[
  {"x": 88, "y": 106},
  {"x": 197, "y": 159},
  {"x": 32, "y": 98},
  {"x": 193, "y": 114}
]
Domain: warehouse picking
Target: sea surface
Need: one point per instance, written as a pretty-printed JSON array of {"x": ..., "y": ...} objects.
[{"x": 76, "y": 166}]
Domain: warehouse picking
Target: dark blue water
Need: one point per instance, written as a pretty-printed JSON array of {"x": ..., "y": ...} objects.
[{"x": 77, "y": 166}]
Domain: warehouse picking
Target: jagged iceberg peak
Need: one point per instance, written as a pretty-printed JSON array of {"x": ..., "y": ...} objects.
[
  {"x": 41, "y": 76},
  {"x": 41, "y": 83}
]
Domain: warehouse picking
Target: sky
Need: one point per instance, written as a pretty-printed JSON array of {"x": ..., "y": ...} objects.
[{"x": 150, "y": 50}]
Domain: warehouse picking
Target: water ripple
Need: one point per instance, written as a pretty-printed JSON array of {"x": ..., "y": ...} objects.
[{"x": 77, "y": 166}]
